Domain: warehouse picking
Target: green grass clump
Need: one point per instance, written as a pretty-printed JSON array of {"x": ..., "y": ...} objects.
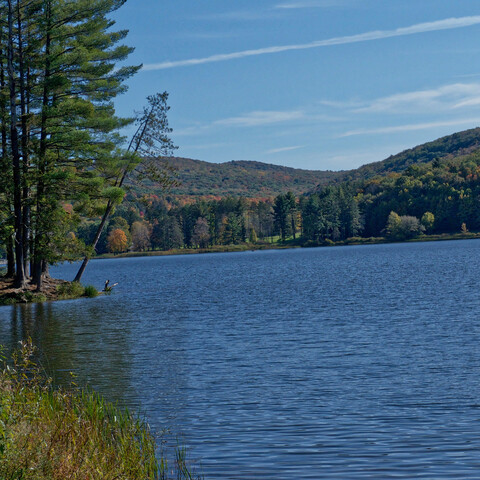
[
  {"x": 8, "y": 301},
  {"x": 54, "y": 434},
  {"x": 25, "y": 296},
  {"x": 76, "y": 290},
  {"x": 70, "y": 290},
  {"x": 90, "y": 291}
]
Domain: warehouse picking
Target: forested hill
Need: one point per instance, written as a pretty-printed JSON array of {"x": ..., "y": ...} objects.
[
  {"x": 448, "y": 147},
  {"x": 261, "y": 180},
  {"x": 244, "y": 178}
]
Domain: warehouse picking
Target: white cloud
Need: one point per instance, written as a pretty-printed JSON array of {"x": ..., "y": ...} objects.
[
  {"x": 251, "y": 119},
  {"x": 238, "y": 15},
  {"x": 261, "y": 118},
  {"x": 447, "y": 24},
  {"x": 193, "y": 130},
  {"x": 283, "y": 149},
  {"x": 349, "y": 104},
  {"x": 470, "y": 123},
  {"x": 311, "y": 4},
  {"x": 444, "y": 98}
]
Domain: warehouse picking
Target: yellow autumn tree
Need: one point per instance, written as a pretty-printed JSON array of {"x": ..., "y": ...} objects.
[{"x": 117, "y": 241}]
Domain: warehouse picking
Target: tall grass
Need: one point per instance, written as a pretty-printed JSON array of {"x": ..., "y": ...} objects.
[
  {"x": 58, "y": 434},
  {"x": 90, "y": 291},
  {"x": 69, "y": 290}
]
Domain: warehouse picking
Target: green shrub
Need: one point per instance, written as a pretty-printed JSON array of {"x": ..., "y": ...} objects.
[
  {"x": 90, "y": 291},
  {"x": 354, "y": 240},
  {"x": 8, "y": 301},
  {"x": 39, "y": 298},
  {"x": 310, "y": 244},
  {"x": 70, "y": 290},
  {"x": 25, "y": 296}
]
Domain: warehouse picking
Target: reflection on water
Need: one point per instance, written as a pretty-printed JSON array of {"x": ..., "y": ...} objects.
[
  {"x": 71, "y": 338},
  {"x": 36, "y": 321},
  {"x": 358, "y": 362}
]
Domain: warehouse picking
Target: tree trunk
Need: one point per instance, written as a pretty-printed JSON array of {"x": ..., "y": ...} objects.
[
  {"x": 10, "y": 258},
  {"x": 3, "y": 109},
  {"x": 40, "y": 233},
  {"x": 84, "y": 264},
  {"x": 25, "y": 135},
  {"x": 17, "y": 174},
  {"x": 108, "y": 210},
  {"x": 37, "y": 275},
  {"x": 45, "y": 269}
]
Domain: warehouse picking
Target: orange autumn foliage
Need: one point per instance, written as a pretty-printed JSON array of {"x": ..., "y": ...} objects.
[{"x": 117, "y": 241}]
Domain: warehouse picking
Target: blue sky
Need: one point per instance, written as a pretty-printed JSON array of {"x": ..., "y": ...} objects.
[{"x": 314, "y": 84}]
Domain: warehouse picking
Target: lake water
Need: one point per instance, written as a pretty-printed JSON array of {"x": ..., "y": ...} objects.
[{"x": 349, "y": 362}]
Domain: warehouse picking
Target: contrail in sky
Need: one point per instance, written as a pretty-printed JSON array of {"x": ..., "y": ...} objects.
[{"x": 447, "y": 24}]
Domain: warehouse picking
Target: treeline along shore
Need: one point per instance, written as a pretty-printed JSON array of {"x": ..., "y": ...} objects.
[{"x": 434, "y": 200}]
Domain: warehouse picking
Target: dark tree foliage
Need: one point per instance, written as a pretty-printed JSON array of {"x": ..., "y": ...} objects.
[
  {"x": 449, "y": 190},
  {"x": 281, "y": 211},
  {"x": 58, "y": 79},
  {"x": 331, "y": 214},
  {"x": 167, "y": 234}
]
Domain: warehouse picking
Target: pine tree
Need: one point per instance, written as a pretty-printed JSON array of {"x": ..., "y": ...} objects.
[
  {"x": 62, "y": 78},
  {"x": 292, "y": 210},
  {"x": 281, "y": 209}
]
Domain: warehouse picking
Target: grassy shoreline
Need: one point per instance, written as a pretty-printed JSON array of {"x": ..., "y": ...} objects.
[
  {"x": 63, "y": 290},
  {"x": 54, "y": 289},
  {"x": 48, "y": 433},
  {"x": 244, "y": 247}
]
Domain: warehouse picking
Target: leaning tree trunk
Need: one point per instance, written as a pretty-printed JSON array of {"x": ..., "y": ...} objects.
[
  {"x": 110, "y": 205},
  {"x": 84, "y": 264}
]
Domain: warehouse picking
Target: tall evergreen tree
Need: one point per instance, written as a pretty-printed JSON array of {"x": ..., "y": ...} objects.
[
  {"x": 281, "y": 209},
  {"x": 292, "y": 210},
  {"x": 62, "y": 78}
]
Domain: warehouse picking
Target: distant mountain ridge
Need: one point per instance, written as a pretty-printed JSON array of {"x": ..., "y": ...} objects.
[
  {"x": 449, "y": 147},
  {"x": 243, "y": 178},
  {"x": 260, "y": 180}
]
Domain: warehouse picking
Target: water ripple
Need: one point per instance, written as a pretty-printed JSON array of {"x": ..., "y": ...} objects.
[{"x": 351, "y": 363}]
